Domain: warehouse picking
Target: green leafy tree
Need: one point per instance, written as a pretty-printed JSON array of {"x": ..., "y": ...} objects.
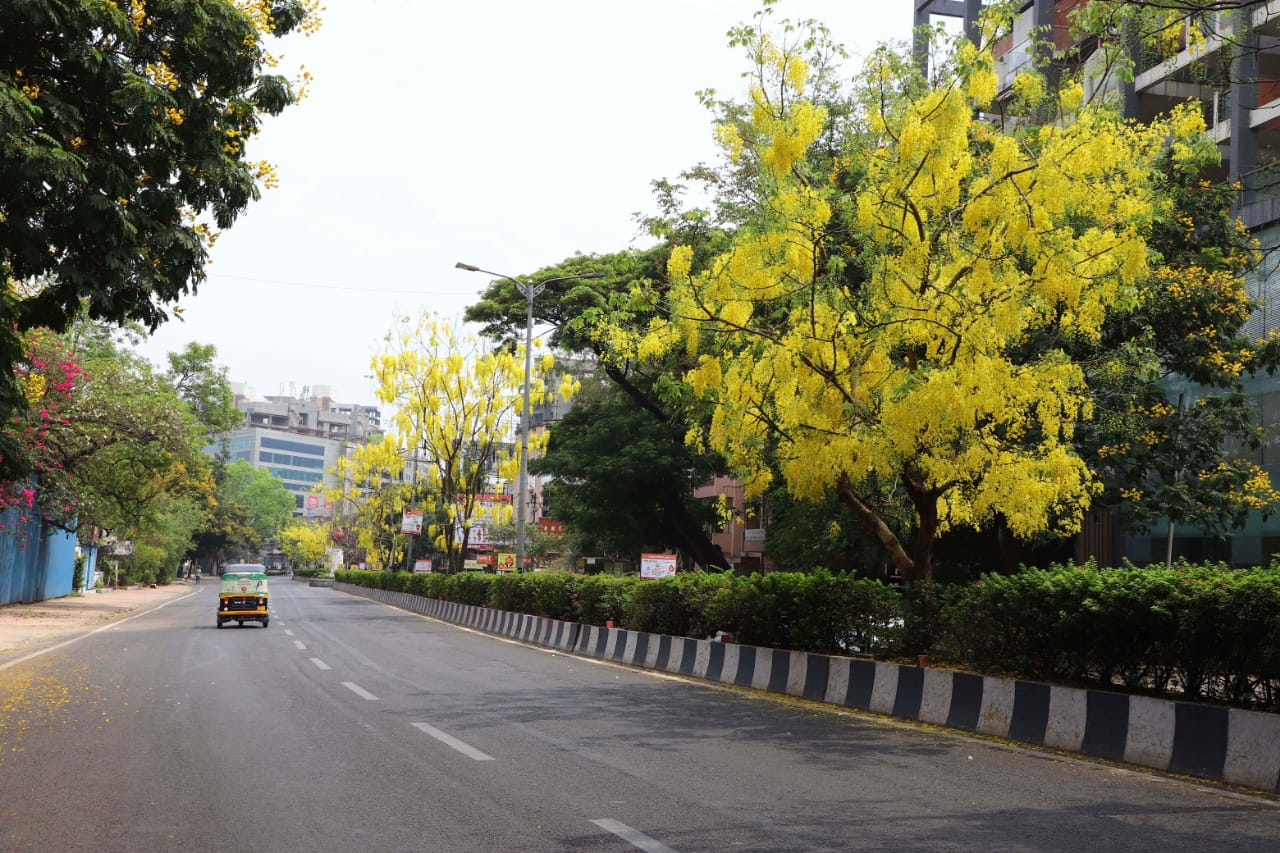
[
  {"x": 804, "y": 535},
  {"x": 203, "y": 385},
  {"x": 270, "y": 504},
  {"x": 249, "y": 505},
  {"x": 622, "y": 480},
  {"x": 160, "y": 547},
  {"x": 1173, "y": 427},
  {"x": 123, "y": 127}
]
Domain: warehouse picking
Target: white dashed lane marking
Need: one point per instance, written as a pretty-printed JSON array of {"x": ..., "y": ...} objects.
[
  {"x": 450, "y": 740},
  {"x": 631, "y": 836},
  {"x": 359, "y": 691},
  {"x": 320, "y": 664},
  {"x": 301, "y": 645}
]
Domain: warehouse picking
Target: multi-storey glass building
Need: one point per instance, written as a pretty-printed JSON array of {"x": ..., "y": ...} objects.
[
  {"x": 299, "y": 461},
  {"x": 298, "y": 440}
]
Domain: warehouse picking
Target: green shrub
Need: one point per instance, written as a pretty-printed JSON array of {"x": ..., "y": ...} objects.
[
  {"x": 1194, "y": 631},
  {"x": 816, "y": 612},
  {"x": 77, "y": 578},
  {"x": 922, "y": 606},
  {"x": 555, "y": 595},
  {"x": 602, "y": 598},
  {"x": 469, "y": 588},
  {"x": 514, "y": 592},
  {"x": 677, "y": 605}
]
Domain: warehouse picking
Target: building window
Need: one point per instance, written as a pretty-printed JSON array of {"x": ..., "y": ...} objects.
[
  {"x": 295, "y": 446},
  {"x": 289, "y": 459}
]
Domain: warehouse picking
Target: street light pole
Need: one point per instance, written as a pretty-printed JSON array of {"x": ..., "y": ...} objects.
[
  {"x": 413, "y": 494},
  {"x": 529, "y": 291}
]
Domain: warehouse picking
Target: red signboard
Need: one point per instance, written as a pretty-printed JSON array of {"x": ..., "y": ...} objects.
[{"x": 551, "y": 526}]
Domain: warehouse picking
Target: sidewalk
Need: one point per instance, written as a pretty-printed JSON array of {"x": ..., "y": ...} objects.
[{"x": 25, "y": 625}]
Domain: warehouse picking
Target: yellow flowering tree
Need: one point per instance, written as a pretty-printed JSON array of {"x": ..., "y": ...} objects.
[
  {"x": 870, "y": 327},
  {"x": 304, "y": 542},
  {"x": 457, "y": 399},
  {"x": 368, "y": 500}
]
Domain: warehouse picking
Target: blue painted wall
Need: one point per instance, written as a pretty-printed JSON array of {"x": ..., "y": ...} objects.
[{"x": 35, "y": 563}]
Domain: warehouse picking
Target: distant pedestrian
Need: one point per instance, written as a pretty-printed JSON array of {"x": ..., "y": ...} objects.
[{"x": 197, "y": 574}]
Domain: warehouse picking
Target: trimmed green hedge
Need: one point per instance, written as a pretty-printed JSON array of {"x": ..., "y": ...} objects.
[
  {"x": 1204, "y": 632},
  {"x": 1200, "y": 632}
]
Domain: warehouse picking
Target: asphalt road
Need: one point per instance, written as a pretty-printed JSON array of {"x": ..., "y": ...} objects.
[{"x": 350, "y": 726}]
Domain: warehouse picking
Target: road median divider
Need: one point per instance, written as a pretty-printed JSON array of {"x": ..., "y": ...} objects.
[{"x": 1230, "y": 745}]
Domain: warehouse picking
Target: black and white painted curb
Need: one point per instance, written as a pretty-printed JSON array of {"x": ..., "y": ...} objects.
[{"x": 1223, "y": 744}]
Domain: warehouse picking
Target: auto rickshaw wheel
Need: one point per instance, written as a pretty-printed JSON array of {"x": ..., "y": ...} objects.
[
  {"x": 219, "y": 621},
  {"x": 265, "y": 621}
]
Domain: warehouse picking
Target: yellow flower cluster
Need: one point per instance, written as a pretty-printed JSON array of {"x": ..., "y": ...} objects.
[
  {"x": 137, "y": 14},
  {"x": 160, "y": 74},
  {"x": 205, "y": 234},
  {"x": 34, "y": 387},
  {"x": 264, "y": 171},
  {"x": 1029, "y": 86},
  {"x": 1109, "y": 450}
]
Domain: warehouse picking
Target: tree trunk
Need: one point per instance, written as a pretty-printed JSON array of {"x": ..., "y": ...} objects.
[
  {"x": 690, "y": 536},
  {"x": 925, "y": 502},
  {"x": 687, "y": 532},
  {"x": 876, "y": 527}
]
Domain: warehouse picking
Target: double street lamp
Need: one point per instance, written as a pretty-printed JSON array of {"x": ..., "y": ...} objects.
[{"x": 529, "y": 291}]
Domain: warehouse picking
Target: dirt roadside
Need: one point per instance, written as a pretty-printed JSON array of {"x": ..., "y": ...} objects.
[{"x": 23, "y": 626}]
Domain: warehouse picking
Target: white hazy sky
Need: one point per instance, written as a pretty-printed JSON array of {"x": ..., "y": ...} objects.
[{"x": 504, "y": 133}]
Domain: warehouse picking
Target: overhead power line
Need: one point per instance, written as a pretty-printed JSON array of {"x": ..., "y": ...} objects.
[{"x": 347, "y": 287}]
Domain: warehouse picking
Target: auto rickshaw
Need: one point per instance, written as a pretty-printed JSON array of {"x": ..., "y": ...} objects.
[{"x": 243, "y": 595}]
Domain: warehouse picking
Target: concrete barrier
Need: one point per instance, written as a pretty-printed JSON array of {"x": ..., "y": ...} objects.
[{"x": 1229, "y": 745}]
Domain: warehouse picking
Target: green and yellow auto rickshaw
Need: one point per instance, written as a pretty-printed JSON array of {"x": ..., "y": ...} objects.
[{"x": 243, "y": 594}]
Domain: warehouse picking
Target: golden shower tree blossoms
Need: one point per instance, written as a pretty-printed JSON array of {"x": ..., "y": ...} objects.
[
  {"x": 853, "y": 339},
  {"x": 457, "y": 399}
]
